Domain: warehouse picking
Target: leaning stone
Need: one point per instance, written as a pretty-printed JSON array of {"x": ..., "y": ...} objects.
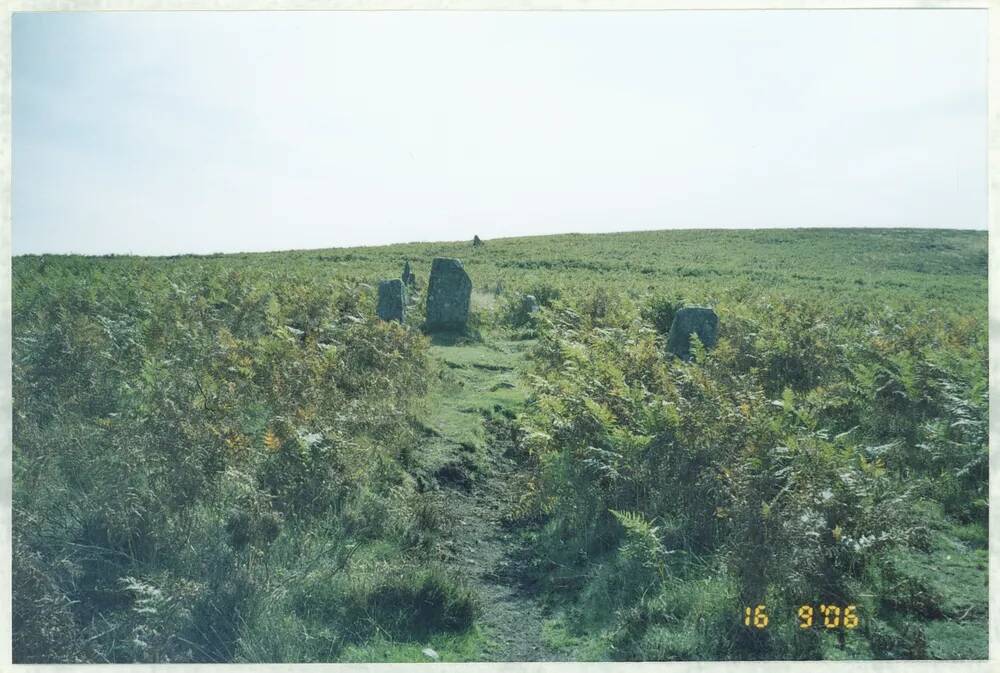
[
  {"x": 692, "y": 319},
  {"x": 391, "y": 300},
  {"x": 448, "y": 293},
  {"x": 430, "y": 653}
]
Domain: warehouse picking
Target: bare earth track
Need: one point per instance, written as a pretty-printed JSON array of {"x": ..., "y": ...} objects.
[{"x": 481, "y": 545}]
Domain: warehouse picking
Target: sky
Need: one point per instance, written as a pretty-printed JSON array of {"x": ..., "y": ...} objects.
[{"x": 201, "y": 132}]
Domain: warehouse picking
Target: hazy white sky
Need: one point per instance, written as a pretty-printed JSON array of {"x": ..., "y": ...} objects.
[{"x": 159, "y": 133}]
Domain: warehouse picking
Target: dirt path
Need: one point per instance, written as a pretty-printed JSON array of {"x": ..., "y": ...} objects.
[{"x": 481, "y": 545}]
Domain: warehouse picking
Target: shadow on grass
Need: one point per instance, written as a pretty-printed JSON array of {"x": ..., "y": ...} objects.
[{"x": 453, "y": 337}]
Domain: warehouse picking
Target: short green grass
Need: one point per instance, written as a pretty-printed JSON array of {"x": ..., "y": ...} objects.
[
  {"x": 449, "y": 649},
  {"x": 489, "y": 380},
  {"x": 560, "y": 635}
]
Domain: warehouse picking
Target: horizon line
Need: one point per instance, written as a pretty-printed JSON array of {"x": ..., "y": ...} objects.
[{"x": 220, "y": 253}]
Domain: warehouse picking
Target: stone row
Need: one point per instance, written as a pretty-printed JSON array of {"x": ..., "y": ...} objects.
[{"x": 450, "y": 289}]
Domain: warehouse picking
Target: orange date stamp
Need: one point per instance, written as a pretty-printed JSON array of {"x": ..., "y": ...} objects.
[{"x": 809, "y": 616}]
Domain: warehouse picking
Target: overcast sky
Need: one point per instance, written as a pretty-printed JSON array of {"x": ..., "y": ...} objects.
[{"x": 161, "y": 133}]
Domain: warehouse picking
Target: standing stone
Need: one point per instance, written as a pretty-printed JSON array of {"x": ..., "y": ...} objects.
[
  {"x": 692, "y": 319},
  {"x": 391, "y": 300},
  {"x": 529, "y": 305},
  {"x": 448, "y": 294},
  {"x": 476, "y": 241},
  {"x": 408, "y": 276}
]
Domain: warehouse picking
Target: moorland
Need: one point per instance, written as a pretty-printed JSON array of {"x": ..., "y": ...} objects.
[{"x": 229, "y": 458}]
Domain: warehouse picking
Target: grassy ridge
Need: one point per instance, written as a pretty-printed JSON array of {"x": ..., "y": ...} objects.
[
  {"x": 899, "y": 263},
  {"x": 214, "y": 455}
]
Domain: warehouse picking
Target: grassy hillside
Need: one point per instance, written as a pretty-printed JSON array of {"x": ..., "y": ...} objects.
[{"x": 228, "y": 458}]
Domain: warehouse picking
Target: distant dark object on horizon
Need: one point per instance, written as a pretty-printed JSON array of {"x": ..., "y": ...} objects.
[{"x": 477, "y": 242}]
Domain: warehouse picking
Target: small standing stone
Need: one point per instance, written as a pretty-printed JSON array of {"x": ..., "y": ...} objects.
[
  {"x": 391, "y": 300},
  {"x": 476, "y": 241},
  {"x": 408, "y": 278},
  {"x": 529, "y": 305},
  {"x": 692, "y": 319},
  {"x": 448, "y": 293}
]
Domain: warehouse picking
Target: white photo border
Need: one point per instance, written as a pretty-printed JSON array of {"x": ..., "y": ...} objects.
[{"x": 993, "y": 171}]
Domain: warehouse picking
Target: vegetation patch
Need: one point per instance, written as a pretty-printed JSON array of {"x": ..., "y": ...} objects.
[{"x": 229, "y": 458}]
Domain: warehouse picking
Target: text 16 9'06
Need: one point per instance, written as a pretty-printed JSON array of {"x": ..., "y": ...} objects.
[{"x": 821, "y": 616}]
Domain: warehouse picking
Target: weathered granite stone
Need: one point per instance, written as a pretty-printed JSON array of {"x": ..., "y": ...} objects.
[
  {"x": 448, "y": 294},
  {"x": 391, "y": 300},
  {"x": 409, "y": 278},
  {"x": 692, "y": 319},
  {"x": 529, "y": 304}
]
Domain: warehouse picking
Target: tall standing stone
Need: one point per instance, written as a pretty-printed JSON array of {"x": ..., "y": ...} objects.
[
  {"x": 692, "y": 319},
  {"x": 448, "y": 294},
  {"x": 391, "y": 300}
]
